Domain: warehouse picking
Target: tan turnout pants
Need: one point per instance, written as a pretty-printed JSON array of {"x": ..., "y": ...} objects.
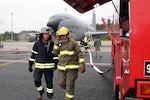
[{"x": 66, "y": 80}]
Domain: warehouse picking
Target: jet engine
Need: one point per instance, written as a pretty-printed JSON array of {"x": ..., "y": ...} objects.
[{"x": 31, "y": 37}]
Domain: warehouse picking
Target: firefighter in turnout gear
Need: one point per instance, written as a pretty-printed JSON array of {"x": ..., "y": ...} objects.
[
  {"x": 71, "y": 60},
  {"x": 85, "y": 42},
  {"x": 44, "y": 62}
]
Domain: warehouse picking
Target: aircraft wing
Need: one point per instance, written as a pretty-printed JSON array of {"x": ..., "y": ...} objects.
[
  {"x": 85, "y": 5},
  {"x": 92, "y": 34},
  {"x": 97, "y": 33}
]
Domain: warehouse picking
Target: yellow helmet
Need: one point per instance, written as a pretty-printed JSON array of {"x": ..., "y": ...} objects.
[{"x": 62, "y": 31}]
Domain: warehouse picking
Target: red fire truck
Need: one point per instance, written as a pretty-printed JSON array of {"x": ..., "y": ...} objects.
[{"x": 130, "y": 37}]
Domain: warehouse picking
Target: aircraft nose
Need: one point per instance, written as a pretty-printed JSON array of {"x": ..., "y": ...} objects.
[{"x": 53, "y": 23}]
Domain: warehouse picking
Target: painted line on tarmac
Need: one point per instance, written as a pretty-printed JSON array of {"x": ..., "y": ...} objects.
[
  {"x": 12, "y": 54},
  {"x": 107, "y": 64},
  {"x": 13, "y": 61}
]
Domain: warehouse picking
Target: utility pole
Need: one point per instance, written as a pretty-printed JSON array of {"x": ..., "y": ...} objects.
[{"x": 11, "y": 26}]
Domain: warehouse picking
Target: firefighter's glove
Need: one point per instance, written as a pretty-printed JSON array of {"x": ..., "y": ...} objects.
[
  {"x": 30, "y": 66},
  {"x": 30, "y": 69},
  {"x": 56, "y": 61},
  {"x": 55, "y": 66},
  {"x": 82, "y": 69}
]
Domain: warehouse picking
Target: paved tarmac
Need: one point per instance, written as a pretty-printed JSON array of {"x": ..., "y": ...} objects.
[{"x": 16, "y": 83}]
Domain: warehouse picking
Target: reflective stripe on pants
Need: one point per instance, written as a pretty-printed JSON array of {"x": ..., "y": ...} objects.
[{"x": 48, "y": 78}]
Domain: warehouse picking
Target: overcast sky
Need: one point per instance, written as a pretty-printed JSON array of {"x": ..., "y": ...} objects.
[{"x": 34, "y": 14}]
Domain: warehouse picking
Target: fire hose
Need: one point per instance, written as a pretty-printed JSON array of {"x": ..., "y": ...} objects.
[{"x": 95, "y": 68}]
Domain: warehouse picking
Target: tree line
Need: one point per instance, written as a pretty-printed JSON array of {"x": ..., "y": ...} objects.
[{"x": 6, "y": 36}]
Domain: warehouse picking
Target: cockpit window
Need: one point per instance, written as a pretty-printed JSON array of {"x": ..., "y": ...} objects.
[{"x": 61, "y": 17}]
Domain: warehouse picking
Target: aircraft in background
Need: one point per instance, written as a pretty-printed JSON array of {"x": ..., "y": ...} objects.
[{"x": 76, "y": 27}]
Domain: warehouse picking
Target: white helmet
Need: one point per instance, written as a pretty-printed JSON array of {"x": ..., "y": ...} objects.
[{"x": 45, "y": 30}]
